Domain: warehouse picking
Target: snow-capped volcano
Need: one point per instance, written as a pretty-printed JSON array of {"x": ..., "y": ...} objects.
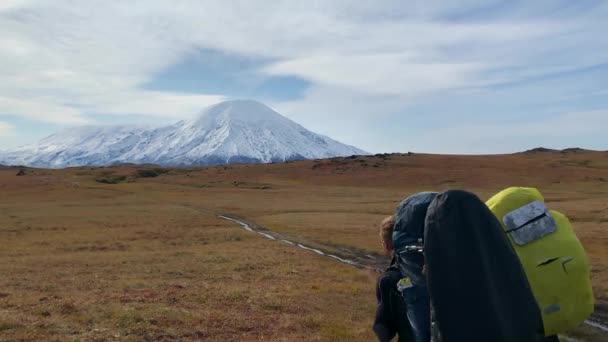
[{"x": 229, "y": 132}]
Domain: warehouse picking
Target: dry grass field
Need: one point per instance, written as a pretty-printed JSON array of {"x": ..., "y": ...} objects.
[{"x": 137, "y": 253}]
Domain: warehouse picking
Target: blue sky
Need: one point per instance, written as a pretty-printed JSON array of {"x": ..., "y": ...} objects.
[{"x": 462, "y": 76}]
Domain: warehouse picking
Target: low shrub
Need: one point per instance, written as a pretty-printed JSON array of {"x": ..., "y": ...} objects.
[
  {"x": 150, "y": 173},
  {"x": 111, "y": 179}
]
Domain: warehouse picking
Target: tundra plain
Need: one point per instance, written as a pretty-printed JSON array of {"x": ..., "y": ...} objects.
[{"x": 131, "y": 253}]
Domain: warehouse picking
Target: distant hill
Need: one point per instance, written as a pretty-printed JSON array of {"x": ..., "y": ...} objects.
[
  {"x": 577, "y": 150},
  {"x": 540, "y": 150},
  {"x": 566, "y": 150}
]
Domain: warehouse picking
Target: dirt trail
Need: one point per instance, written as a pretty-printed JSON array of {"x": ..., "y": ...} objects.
[
  {"x": 599, "y": 319},
  {"x": 349, "y": 257}
]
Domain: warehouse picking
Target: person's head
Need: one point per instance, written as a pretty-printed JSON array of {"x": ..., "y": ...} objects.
[{"x": 386, "y": 233}]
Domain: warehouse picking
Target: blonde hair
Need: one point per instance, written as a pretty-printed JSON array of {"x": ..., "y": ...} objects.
[{"x": 386, "y": 230}]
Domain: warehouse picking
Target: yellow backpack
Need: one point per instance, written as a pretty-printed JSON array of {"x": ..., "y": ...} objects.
[{"x": 554, "y": 260}]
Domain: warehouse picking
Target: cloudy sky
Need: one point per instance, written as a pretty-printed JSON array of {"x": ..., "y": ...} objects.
[{"x": 434, "y": 76}]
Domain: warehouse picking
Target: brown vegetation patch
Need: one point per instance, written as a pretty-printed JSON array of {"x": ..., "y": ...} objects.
[{"x": 147, "y": 258}]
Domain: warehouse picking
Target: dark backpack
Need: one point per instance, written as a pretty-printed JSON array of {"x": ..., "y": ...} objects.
[
  {"x": 477, "y": 285},
  {"x": 408, "y": 234}
]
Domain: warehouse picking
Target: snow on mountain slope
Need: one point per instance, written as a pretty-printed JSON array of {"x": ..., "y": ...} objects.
[
  {"x": 88, "y": 145},
  {"x": 229, "y": 132}
]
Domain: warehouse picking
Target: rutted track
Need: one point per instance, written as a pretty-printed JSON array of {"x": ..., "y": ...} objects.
[
  {"x": 599, "y": 319},
  {"x": 274, "y": 236}
]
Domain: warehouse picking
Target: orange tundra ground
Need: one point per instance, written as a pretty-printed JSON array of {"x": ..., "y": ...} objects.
[{"x": 138, "y": 253}]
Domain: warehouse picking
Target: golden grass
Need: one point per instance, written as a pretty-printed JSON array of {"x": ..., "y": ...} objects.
[{"x": 148, "y": 259}]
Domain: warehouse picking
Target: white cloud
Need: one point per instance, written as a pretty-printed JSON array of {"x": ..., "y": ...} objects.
[
  {"x": 6, "y": 129},
  {"x": 6, "y": 5},
  {"x": 41, "y": 109},
  {"x": 162, "y": 104},
  {"x": 394, "y": 75}
]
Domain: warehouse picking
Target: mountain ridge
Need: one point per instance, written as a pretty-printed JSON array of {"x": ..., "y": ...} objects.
[{"x": 238, "y": 131}]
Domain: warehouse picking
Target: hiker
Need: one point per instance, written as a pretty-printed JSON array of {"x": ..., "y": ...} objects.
[
  {"x": 475, "y": 280},
  {"x": 391, "y": 316},
  {"x": 407, "y": 240}
]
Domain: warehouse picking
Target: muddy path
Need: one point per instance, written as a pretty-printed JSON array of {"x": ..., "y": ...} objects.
[
  {"x": 346, "y": 255},
  {"x": 599, "y": 319}
]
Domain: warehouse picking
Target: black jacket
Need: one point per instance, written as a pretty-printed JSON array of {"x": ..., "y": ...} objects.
[{"x": 391, "y": 318}]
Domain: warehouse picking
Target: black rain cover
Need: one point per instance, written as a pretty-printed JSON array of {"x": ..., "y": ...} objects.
[{"x": 477, "y": 285}]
